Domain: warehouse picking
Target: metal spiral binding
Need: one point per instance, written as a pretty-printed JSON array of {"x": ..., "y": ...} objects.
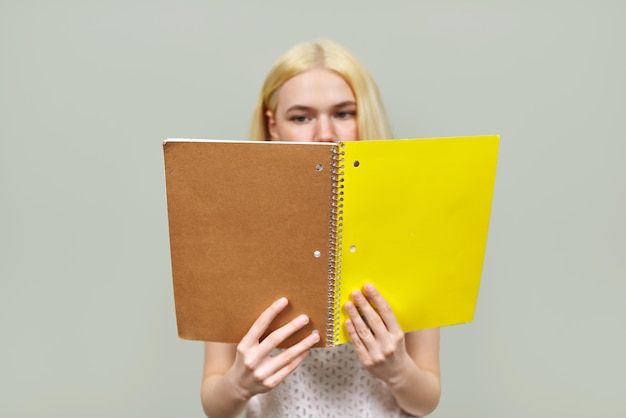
[{"x": 335, "y": 244}]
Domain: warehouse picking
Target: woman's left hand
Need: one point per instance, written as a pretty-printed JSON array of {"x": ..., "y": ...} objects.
[{"x": 376, "y": 335}]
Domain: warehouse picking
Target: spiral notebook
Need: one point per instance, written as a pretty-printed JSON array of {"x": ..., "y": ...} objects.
[{"x": 250, "y": 222}]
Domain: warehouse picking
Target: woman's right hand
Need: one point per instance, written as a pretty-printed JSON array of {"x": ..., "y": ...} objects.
[{"x": 254, "y": 370}]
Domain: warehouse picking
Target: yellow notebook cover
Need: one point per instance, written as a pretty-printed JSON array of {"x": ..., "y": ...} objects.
[
  {"x": 415, "y": 221},
  {"x": 253, "y": 221}
]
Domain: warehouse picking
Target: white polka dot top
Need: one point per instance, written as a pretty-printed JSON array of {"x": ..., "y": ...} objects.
[{"x": 329, "y": 383}]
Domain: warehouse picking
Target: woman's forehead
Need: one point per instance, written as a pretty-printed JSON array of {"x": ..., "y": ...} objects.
[{"x": 316, "y": 87}]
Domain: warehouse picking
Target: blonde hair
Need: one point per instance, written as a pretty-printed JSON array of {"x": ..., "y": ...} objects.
[{"x": 371, "y": 118}]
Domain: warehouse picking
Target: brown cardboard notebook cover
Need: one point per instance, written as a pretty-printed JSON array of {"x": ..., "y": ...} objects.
[{"x": 245, "y": 225}]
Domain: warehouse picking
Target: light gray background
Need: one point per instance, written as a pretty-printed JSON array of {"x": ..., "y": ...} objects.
[{"x": 88, "y": 90}]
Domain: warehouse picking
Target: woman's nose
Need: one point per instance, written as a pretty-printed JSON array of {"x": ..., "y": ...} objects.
[{"x": 324, "y": 131}]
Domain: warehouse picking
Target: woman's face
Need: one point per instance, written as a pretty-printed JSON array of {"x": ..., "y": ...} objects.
[{"x": 317, "y": 105}]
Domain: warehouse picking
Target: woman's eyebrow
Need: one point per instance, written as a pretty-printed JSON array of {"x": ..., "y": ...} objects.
[
  {"x": 298, "y": 107},
  {"x": 347, "y": 103}
]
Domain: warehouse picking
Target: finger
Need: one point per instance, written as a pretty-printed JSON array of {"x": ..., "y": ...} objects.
[
  {"x": 281, "y": 334},
  {"x": 357, "y": 343},
  {"x": 361, "y": 330},
  {"x": 261, "y": 324},
  {"x": 382, "y": 307},
  {"x": 276, "y": 378},
  {"x": 281, "y": 365},
  {"x": 372, "y": 318}
]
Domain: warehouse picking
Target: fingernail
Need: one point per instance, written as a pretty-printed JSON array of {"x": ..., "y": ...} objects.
[
  {"x": 303, "y": 319},
  {"x": 282, "y": 301},
  {"x": 369, "y": 287}
]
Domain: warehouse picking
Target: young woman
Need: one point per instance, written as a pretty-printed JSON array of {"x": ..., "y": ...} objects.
[{"x": 320, "y": 92}]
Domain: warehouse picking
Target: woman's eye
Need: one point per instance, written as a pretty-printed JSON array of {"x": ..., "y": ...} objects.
[
  {"x": 344, "y": 115},
  {"x": 299, "y": 119}
]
